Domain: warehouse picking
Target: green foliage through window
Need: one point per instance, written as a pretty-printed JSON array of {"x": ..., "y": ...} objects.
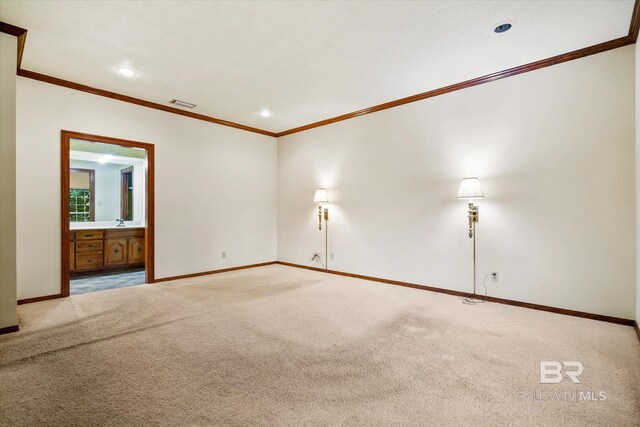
[{"x": 79, "y": 205}]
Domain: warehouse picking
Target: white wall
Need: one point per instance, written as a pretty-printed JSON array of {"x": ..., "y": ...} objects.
[
  {"x": 8, "y": 51},
  {"x": 215, "y": 186},
  {"x": 554, "y": 150},
  {"x": 637, "y": 47}
]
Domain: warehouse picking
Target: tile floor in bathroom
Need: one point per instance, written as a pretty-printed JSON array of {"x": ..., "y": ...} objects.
[{"x": 102, "y": 281}]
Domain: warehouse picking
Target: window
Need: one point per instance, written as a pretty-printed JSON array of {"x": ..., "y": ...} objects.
[
  {"x": 82, "y": 195},
  {"x": 80, "y": 205}
]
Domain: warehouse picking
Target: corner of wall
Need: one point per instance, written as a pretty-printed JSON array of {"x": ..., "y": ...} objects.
[
  {"x": 8, "y": 315},
  {"x": 637, "y": 118}
]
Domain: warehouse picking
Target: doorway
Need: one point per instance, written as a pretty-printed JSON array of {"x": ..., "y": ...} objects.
[
  {"x": 126, "y": 194},
  {"x": 107, "y": 213}
]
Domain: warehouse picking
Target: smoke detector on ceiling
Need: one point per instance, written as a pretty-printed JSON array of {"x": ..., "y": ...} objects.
[{"x": 182, "y": 103}]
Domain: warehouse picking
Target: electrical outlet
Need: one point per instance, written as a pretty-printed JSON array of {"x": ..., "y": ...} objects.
[
  {"x": 316, "y": 256},
  {"x": 224, "y": 255},
  {"x": 332, "y": 256},
  {"x": 494, "y": 277}
]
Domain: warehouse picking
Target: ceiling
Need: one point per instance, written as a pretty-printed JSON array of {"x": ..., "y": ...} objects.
[{"x": 304, "y": 61}]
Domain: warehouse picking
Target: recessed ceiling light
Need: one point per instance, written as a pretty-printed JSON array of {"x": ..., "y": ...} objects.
[
  {"x": 126, "y": 71},
  {"x": 105, "y": 158},
  {"x": 265, "y": 113},
  {"x": 502, "y": 28}
]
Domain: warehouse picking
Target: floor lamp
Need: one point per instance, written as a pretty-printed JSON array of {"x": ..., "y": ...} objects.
[
  {"x": 322, "y": 200},
  {"x": 470, "y": 190}
]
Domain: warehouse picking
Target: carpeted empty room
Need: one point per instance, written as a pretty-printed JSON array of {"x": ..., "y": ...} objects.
[
  {"x": 277, "y": 345},
  {"x": 319, "y": 213}
]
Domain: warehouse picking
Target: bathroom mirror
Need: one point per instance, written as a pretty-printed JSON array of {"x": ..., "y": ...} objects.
[{"x": 106, "y": 185}]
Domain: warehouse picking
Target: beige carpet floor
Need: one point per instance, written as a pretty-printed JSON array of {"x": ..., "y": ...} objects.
[{"x": 283, "y": 346}]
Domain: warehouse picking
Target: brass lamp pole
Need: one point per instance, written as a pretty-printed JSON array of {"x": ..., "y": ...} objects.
[
  {"x": 469, "y": 190},
  {"x": 323, "y": 213}
]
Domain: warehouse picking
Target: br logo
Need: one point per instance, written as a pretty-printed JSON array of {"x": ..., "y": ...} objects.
[{"x": 551, "y": 371}]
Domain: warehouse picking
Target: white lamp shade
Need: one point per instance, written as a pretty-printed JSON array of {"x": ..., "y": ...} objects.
[
  {"x": 470, "y": 189},
  {"x": 320, "y": 196}
]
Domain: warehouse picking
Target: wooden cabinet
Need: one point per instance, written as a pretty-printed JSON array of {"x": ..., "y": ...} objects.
[
  {"x": 93, "y": 250},
  {"x": 89, "y": 234},
  {"x": 87, "y": 250},
  {"x": 89, "y": 246},
  {"x": 72, "y": 255},
  {"x": 115, "y": 253},
  {"x": 135, "y": 251},
  {"x": 86, "y": 261}
]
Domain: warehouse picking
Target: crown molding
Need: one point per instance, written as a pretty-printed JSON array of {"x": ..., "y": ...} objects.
[
  {"x": 634, "y": 27},
  {"x": 11, "y": 29},
  {"x": 630, "y": 38},
  {"x": 570, "y": 56},
  {"x": 18, "y": 32},
  {"x": 21, "y": 34},
  {"x": 125, "y": 98}
]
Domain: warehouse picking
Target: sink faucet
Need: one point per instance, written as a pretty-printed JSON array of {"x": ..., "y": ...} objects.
[{"x": 120, "y": 222}]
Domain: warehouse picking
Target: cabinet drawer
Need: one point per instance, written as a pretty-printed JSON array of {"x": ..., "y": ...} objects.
[
  {"x": 88, "y": 245},
  {"x": 120, "y": 233},
  {"x": 89, "y": 235},
  {"x": 88, "y": 261}
]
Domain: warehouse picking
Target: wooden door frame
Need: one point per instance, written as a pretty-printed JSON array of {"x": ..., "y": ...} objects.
[
  {"x": 124, "y": 193},
  {"x": 65, "y": 167}
]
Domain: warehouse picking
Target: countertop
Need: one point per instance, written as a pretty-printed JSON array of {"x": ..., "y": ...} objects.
[{"x": 106, "y": 227}]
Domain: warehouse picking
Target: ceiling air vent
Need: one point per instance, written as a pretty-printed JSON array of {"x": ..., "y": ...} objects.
[{"x": 182, "y": 103}]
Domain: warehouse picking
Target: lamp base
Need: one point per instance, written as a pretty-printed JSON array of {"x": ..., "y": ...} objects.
[{"x": 471, "y": 301}]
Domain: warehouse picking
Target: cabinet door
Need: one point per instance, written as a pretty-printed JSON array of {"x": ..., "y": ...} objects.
[
  {"x": 136, "y": 251},
  {"x": 115, "y": 252}
]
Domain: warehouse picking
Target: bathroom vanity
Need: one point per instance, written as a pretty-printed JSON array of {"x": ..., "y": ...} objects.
[{"x": 106, "y": 248}]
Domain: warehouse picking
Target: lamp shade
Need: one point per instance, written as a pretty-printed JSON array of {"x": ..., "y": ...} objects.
[
  {"x": 320, "y": 196},
  {"x": 470, "y": 189}
]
